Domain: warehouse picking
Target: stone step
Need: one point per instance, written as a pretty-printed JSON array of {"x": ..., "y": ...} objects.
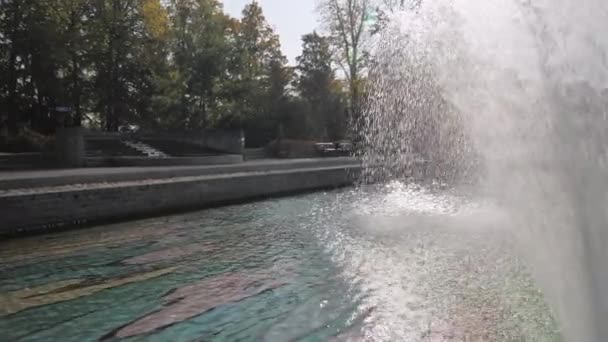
[
  {"x": 144, "y": 148},
  {"x": 109, "y": 148}
]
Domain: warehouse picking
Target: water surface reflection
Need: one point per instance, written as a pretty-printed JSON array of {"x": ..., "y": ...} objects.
[{"x": 379, "y": 263}]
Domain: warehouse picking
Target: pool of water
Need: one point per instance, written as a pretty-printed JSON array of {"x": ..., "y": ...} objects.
[{"x": 381, "y": 263}]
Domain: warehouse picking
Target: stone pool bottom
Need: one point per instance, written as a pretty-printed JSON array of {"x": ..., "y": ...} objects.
[{"x": 379, "y": 263}]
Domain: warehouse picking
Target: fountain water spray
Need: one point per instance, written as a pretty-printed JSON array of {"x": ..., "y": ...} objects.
[
  {"x": 522, "y": 85},
  {"x": 409, "y": 122}
]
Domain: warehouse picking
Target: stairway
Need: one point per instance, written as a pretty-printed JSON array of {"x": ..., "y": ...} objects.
[
  {"x": 109, "y": 147},
  {"x": 145, "y": 149}
]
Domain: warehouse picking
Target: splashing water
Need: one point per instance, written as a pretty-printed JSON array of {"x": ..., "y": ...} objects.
[{"x": 516, "y": 89}]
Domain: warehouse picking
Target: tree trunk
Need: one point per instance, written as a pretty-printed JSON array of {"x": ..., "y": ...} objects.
[
  {"x": 11, "y": 108},
  {"x": 77, "y": 118},
  {"x": 203, "y": 110},
  {"x": 111, "y": 106},
  {"x": 76, "y": 91},
  {"x": 354, "y": 94},
  {"x": 11, "y": 105}
]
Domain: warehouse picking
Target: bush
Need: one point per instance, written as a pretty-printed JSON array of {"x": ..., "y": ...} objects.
[{"x": 26, "y": 141}]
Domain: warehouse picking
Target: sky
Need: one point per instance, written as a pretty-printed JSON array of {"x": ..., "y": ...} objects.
[{"x": 291, "y": 19}]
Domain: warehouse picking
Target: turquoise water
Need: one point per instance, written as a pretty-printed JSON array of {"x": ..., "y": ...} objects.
[{"x": 380, "y": 263}]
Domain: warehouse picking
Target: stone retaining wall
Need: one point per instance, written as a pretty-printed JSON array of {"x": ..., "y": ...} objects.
[
  {"x": 54, "y": 178},
  {"x": 34, "y": 209},
  {"x": 169, "y": 161}
]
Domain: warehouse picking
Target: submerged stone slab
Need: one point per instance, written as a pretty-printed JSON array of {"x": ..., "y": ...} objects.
[
  {"x": 17, "y": 301},
  {"x": 192, "y": 300}
]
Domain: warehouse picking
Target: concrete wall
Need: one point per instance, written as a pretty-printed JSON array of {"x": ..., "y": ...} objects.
[
  {"x": 93, "y": 134},
  {"x": 27, "y": 161},
  {"x": 69, "y": 147},
  {"x": 301, "y": 149},
  {"x": 170, "y": 161},
  {"x": 228, "y": 141},
  {"x": 26, "y": 212},
  {"x": 54, "y": 178},
  {"x": 221, "y": 140}
]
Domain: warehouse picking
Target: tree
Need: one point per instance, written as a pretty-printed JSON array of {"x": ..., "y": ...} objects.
[
  {"x": 114, "y": 36},
  {"x": 262, "y": 76},
  {"x": 317, "y": 85},
  {"x": 387, "y": 7},
  {"x": 347, "y": 24},
  {"x": 43, "y": 55},
  {"x": 279, "y": 79},
  {"x": 14, "y": 32},
  {"x": 228, "y": 91},
  {"x": 153, "y": 63},
  {"x": 162, "y": 64},
  {"x": 198, "y": 64},
  {"x": 259, "y": 42},
  {"x": 125, "y": 34},
  {"x": 72, "y": 50},
  {"x": 398, "y": 5}
]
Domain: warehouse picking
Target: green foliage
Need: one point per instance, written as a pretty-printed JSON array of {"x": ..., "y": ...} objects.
[
  {"x": 127, "y": 54},
  {"x": 348, "y": 24},
  {"x": 173, "y": 64},
  {"x": 263, "y": 76},
  {"x": 191, "y": 90},
  {"x": 318, "y": 86},
  {"x": 32, "y": 69}
]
